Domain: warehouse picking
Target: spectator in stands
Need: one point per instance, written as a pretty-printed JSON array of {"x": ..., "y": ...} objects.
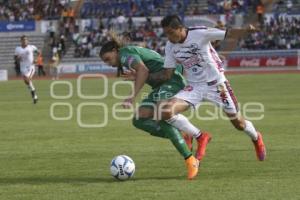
[
  {"x": 130, "y": 23},
  {"x": 54, "y": 66},
  {"x": 196, "y": 11},
  {"x": 128, "y": 8},
  {"x": 228, "y": 6},
  {"x": 61, "y": 48},
  {"x": 121, "y": 20},
  {"x": 127, "y": 37},
  {"x": 20, "y": 10},
  {"x": 147, "y": 34},
  {"x": 289, "y": 5},
  {"x": 40, "y": 65},
  {"x": 51, "y": 31},
  {"x": 260, "y": 13},
  {"x": 71, "y": 14}
]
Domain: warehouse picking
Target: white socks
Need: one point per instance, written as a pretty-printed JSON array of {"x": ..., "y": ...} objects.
[
  {"x": 250, "y": 130},
  {"x": 30, "y": 86},
  {"x": 180, "y": 122}
]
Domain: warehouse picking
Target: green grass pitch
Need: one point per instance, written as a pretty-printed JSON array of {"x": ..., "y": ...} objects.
[{"x": 44, "y": 159}]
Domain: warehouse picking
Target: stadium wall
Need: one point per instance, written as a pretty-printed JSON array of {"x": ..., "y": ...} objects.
[
  {"x": 262, "y": 60},
  {"x": 85, "y": 67},
  {"x": 235, "y": 61}
]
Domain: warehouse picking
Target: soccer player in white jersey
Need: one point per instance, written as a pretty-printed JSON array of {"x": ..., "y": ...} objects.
[
  {"x": 192, "y": 48},
  {"x": 25, "y": 54}
]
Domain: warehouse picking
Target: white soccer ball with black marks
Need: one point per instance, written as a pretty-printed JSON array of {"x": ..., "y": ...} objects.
[{"x": 122, "y": 167}]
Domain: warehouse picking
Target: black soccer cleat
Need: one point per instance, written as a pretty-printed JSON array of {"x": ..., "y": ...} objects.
[
  {"x": 33, "y": 94},
  {"x": 35, "y": 100}
]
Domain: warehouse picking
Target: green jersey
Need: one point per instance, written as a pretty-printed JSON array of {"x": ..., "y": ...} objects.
[{"x": 131, "y": 55}]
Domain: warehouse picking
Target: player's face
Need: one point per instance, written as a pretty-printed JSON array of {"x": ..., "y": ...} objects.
[
  {"x": 174, "y": 35},
  {"x": 24, "y": 41},
  {"x": 111, "y": 58}
]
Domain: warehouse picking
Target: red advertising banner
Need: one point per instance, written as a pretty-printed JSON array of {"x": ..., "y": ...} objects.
[{"x": 263, "y": 61}]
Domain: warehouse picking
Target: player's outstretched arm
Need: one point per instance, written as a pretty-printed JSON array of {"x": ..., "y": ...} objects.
[
  {"x": 142, "y": 73},
  {"x": 236, "y": 33}
]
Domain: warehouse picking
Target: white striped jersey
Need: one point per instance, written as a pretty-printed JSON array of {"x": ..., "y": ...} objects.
[{"x": 198, "y": 57}]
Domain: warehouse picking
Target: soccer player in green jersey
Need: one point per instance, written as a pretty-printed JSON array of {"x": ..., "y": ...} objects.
[{"x": 146, "y": 62}]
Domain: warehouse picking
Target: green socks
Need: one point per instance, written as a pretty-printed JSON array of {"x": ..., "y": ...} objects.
[
  {"x": 164, "y": 130},
  {"x": 150, "y": 126}
]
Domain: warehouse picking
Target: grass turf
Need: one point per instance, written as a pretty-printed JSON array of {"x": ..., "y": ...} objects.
[{"x": 41, "y": 158}]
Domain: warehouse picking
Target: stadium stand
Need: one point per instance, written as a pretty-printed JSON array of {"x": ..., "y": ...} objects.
[
  {"x": 79, "y": 38},
  {"x": 288, "y": 6},
  {"x": 132, "y": 8},
  {"x": 87, "y": 44},
  {"x": 18, "y": 10},
  {"x": 276, "y": 33},
  {"x": 90, "y": 42},
  {"x": 222, "y": 7}
]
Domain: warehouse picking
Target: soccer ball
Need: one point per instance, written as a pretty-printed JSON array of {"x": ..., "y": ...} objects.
[{"x": 122, "y": 167}]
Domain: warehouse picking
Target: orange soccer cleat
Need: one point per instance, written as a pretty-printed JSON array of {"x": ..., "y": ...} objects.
[
  {"x": 260, "y": 148},
  {"x": 202, "y": 141},
  {"x": 192, "y": 165}
]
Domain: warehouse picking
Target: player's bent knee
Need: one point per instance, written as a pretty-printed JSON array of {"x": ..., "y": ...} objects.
[
  {"x": 27, "y": 79},
  {"x": 138, "y": 123},
  {"x": 239, "y": 125}
]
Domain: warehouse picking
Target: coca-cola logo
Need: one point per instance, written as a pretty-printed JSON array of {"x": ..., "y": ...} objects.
[
  {"x": 276, "y": 62},
  {"x": 250, "y": 62}
]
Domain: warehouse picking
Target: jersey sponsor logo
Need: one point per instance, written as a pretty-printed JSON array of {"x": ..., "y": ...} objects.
[
  {"x": 189, "y": 55},
  {"x": 189, "y": 50},
  {"x": 192, "y": 61}
]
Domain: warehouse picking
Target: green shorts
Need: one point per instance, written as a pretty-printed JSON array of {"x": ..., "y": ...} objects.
[{"x": 165, "y": 91}]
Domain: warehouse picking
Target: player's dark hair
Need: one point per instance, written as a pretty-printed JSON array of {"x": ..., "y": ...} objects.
[
  {"x": 23, "y": 37},
  {"x": 115, "y": 43},
  {"x": 108, "y": 47},
  {"x": 172, "y": 21},
  {"x": 127, "y": 35}
]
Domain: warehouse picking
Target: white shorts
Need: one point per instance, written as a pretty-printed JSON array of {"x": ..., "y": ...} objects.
[
  {"x": 28, "y": 71},
  {"x": 219, "y": 94}
]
